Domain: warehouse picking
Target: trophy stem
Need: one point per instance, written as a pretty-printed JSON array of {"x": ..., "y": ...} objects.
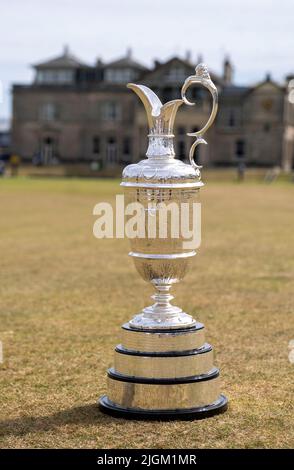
[
  {"x": 162, "y": 298},
  {"x": 162, "y": 314}
]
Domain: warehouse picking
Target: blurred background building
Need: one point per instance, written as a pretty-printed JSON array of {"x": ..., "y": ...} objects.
[
  {"x": 5, "y": 135},
  {"x": 74, "y": 112}
]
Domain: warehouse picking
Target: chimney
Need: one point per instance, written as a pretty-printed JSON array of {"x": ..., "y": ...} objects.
[
  {"x": 188, "y": 56},
  {"x": 228, "y": 71},
  {"x": 66, "y": 50},
  {"x": 99, "y": 62},
  {"x": 129, "y": 53}
]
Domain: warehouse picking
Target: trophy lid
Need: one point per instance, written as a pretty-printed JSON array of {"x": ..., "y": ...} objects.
[{"x": 161, "y": 168}]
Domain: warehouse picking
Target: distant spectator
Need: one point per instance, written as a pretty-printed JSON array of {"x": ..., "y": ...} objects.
[
  {"x": 2, "y": 168},
  {"x": 55, "y": 160},
  {"x": 241, "y": 170},
  {"x": 14, "y": 164}
]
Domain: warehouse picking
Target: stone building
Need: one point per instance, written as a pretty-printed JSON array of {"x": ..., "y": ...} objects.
[{"x": 74, "y": 112}]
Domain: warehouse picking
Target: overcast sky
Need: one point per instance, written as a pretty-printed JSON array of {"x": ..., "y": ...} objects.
[{"x": 257, "y": 34}]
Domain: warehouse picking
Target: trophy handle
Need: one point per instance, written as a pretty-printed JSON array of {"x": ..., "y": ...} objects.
[{"x": 203, "y": 78}]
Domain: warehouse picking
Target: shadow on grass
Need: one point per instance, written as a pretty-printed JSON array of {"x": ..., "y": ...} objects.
[{"x": 86, "y": 415}]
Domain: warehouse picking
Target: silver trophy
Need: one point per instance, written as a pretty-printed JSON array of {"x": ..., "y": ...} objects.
[{"x": 163, "y": 367}]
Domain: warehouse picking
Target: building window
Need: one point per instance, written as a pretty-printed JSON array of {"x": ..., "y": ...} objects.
[
  {"x": 4, "y": 140},
  {"x": 96, "y": 145},
  {"x": 240, "y": 148},
  {"x": 48, "y": 149},
  {"x": 119, "y": 75},
  {"x": 176, "y": 74},
  {"x": 111, "y": 111},
  {"x": 232, "y": 121},
  {"x": 111, "y": 151},
  {"x": 48, "y": 112},
  {"x": 267, "y": 127},
  {"x": 55, "y": 77},
  {"x": 127, "y": 146}
]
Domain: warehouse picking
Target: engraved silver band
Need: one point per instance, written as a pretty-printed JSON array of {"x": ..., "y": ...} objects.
[
  {"x": 163, "y": 396},
  {"x": 177, "y": 340},
  {"x": 164, "y": 367},
  {"x": 187, "y": 254},
  {"x": 129, "y": 184}
]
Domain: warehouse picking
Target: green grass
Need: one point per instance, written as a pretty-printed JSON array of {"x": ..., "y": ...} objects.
[{"x": 64, "y": 295}]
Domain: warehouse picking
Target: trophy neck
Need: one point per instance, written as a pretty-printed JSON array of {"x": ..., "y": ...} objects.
[{"x": 160, "y": 145}]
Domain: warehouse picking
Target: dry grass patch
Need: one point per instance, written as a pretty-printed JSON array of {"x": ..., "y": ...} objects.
[{"x": 64, "y": 295}]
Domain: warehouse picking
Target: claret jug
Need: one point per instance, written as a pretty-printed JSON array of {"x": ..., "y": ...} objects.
[{"x": 163, "y": 368}]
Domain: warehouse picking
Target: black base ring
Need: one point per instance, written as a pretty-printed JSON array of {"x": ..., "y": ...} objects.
[{"x": 106, "y": 406}]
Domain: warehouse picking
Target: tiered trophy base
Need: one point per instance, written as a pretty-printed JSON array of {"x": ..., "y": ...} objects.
[{"x": 163, "y": 374}]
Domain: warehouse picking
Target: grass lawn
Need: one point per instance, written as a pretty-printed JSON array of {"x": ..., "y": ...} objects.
[{"x": 64, "y": 295}]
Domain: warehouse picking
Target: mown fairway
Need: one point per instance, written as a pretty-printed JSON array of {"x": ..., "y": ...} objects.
[{"x": 64, "y": 295}]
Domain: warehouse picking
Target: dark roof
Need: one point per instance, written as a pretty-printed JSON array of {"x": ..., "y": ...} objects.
[
  {"x": 125, "y": 62},
  {"x": 267, "y": 80},
  {"x": 165, "y": 65},
  {"x": 235, "y": 90},
  {"x": 66, "y": 60}
]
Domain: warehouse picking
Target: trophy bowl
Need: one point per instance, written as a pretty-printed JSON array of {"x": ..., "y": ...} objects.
[{"x": 162, "y": 259}]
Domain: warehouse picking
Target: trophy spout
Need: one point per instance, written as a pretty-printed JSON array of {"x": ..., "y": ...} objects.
[
  {"x": 160, "y": 117},
  {"x": 150, "y": 100}
]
